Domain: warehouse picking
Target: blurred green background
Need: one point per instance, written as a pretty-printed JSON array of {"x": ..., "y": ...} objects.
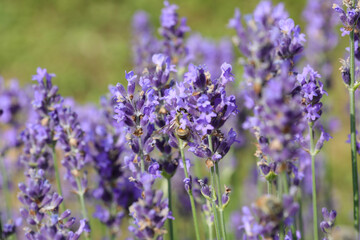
[{"x": 88, "y": 45}]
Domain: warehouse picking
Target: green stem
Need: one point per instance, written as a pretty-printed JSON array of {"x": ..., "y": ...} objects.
[
  {"x": 5, "y": 188},
  {"x": 81, "y": 194},
  {"x": 301, "y": 225},
  {"x": 282, "y": 231},
  {"x": 170, "y": 221},
  {"x": 1, "y": 231},
  {"x": 215, "y": 181},
  {"x": 353, "y": 132},
  {"x": 192, "y": 202},
  {"x": 269, "y": 187},
  {"x": 58, "y": 179},
  {"x": 213, "y": 204},
  {"x": 313, "y": 171},
  {"x": 210, "y": 227},
  {"x": 221, "y": 209}
]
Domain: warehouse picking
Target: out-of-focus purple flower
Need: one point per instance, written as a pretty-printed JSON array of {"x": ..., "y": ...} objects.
[
  {"x": 265, "y": 217},
  {"x": 209, "y": 53},
  {"x": 38, "y": 136},
  {"x": 349, "y": 18},
  {"x": 311, "y": 91},
  {"x": 145, "y": 45},
  {"x": 345, "y": 71},
  {"x": 173, "y": 31},
  {"x": 324, "y": 136},
  {"x": 274, "y": 118},
  {"x": 328, "y": 223},
  {"x": 37, "y": 150},
  {"x": 271, "y": 44},
  {"x": 188, "y": 183},
  {"x": 105, "y": 147},
  {"x": 41, "y": 210},
  {"x": 150, "y": 212},
  {"x": 357, "y": 142},
  {"x": 8, "y": 229},
  {"x": 321, "y": 35},
  {"x": 70, "y": 137}
]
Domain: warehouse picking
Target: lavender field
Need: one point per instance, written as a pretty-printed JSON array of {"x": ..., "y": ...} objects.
[{"x": 179, "y": 120}]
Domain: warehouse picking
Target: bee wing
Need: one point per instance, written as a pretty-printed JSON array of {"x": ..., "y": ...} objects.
[{"x": 164, "y": 129}]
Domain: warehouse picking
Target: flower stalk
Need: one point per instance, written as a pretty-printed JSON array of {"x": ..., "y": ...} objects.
[
  {"x": 221, "y": 207},
  {"x": 353, "y": 132},
  {"x": 213, "y": 205},
  {"x": 81, "y": 194},
  {"x": 170, "y": 221},
  {"x": 313, "y": 173},
  {"x": 215, "y": 176},
  {"x": 192, "y": 202}
]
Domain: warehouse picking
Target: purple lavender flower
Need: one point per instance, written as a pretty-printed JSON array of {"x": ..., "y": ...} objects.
[
  {"x": 41, "y": 210},
  {"x": 173, "y": 31},
  {"x": 137, "y": 113},
  {"x": 70, "y": 137},
  {"x": 311, "y": 91},
  {"x": 273, "y": 122},
  {"x": 269, "y": 61},
  {"x": 145, "y": 45},
  {"x": 38, "y": 137},
  {"x": 209, "y": 53},
  {"x": 328, "y": 223},
  {"x": 349, "y": 18},
  {"x": 322, "y": 38},
  {"x": 200, "y": 106},
  {"x": 8, "y": 229},
  {"x": 37, "y": 150},
  {"x": 357, "y": 142},
  {"x": 150, "y": 212},
  {"x": 265, "y": 217},
  {"x": 105, "y": 147}
]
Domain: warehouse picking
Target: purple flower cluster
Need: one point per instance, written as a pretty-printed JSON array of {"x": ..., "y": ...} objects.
[
  {"x": 182, "y": 95},
  {"x": 105, "y": 146},
  {"x": 268, "y": 71},
  {"x": 38, "y": 137},
  {"x": 321, "y": 35},
  {"x": 199, "y": 106},
  {"x": 266, "y": 215},
  {"x": 349, "y": 18},
  {"x": 70, "y": 137},
  {"x": 150, "y": 212},
  {"x": 137, "y": 113},
  {"x": 273, "y": 122},
  {"x": 328, "y": 223},
  {"x": 311, "y": 91},
  {"x": 145, "y": 45},
  {"x": 8, "y": 230},
  {"x": 14, "y": 104},
  {"x": 173, "y": 31},
  {"x": 275, "y": 39},
  {"x": 262, "y": 30},
  {"x": 210, "y": 53},
  {"x": 41, "y": 210}
]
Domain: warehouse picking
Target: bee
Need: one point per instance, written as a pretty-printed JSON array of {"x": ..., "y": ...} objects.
[
  {"x": 270, "y": 206},
  {"x": 174, "y": 126}
]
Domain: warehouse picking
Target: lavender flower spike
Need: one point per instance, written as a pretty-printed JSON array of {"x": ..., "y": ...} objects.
[{"x": 41, "y": 210}]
